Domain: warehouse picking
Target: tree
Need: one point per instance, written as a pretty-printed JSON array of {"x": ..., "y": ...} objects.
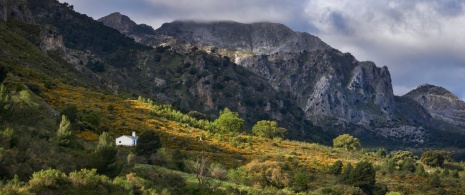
[
  {"x": 229, "y": 121},
  {"x": 104, "y": 156},
  {"x": 363, "y": 176},
  {"x": 5, "y": 99},
  {"x": 336, "y": 168},
  {"x": 64, "y": 133},
  {"x": 434, "y": 158},
  {"x": 347, "y": 141},
  {"x": 148, "y": 143},
  {"x": 268, "y": 129}
]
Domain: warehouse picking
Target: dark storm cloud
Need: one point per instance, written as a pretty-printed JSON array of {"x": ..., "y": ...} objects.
[{"x": 421, "y": 41}]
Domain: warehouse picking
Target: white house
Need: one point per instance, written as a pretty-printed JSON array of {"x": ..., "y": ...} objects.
[{"x": 126, "y": 140}]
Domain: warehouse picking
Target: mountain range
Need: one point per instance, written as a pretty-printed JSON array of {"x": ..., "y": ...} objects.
[
  {"x": 333, "y": 89},
  {"x": 264, "y": 71}
]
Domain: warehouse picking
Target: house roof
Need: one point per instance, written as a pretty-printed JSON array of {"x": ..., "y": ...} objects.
[{"x": 131, "y": 137}]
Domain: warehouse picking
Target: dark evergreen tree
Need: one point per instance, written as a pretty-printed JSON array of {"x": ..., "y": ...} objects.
[
  {"x": 104, "y": 156},
  {"x": 363, "y": 176},
  {"x": 336, "y": 168},
  {"x": 148, "y": 143}
]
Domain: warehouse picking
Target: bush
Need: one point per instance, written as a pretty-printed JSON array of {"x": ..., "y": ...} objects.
[
  {"x": 268, "y": 173},
  {"x": 347, "y": 142},
  {"x": 434, "y": 158},
  {"x": 46, "y": 180}
]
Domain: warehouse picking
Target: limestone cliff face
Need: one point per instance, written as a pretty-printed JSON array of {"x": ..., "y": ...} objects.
[
  {"x": 16, "y": 9},
  {"x": 329, "y": 84},
  {"x": 440, "y": 103},
  {"x": 324, "y": 81}
]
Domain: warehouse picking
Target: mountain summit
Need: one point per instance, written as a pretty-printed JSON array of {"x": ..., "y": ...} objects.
[{"x": 440, "y": 103}]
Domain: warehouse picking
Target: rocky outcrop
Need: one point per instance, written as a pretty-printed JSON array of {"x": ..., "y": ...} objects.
[
  {"x": 16, "y": 9},
  {"x": 440, "y": 103},
  {"x": 119, "y": 22},
  {"x": 128, "y": 27}
]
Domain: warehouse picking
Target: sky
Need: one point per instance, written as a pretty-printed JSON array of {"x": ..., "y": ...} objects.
[{"x": 420, "y": 41}]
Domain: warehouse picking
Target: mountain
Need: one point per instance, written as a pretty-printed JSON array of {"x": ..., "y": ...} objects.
[
  {"x": 333, "y": 89},
  {"x": 126, "y": 26},
  {"x": 440, "y": 103}
]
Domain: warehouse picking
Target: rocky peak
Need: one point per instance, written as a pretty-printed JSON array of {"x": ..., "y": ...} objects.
[
  {"x": 119, "y": 22},
  {"x": 125, "y": 25},
  {"x": 440, "y": 103}
]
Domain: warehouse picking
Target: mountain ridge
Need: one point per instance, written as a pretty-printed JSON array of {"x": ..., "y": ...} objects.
[{"x": 333, "y": 88}]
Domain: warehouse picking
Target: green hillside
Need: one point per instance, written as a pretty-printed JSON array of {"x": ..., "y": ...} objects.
[{"x": 188, "y": 152}]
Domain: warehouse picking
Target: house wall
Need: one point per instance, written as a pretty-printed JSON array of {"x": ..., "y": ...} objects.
[{"x": 126, "y": 141}]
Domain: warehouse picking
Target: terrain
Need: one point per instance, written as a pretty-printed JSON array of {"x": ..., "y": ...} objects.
[
  {"x": 70, "y": 85},
  {"x": 333, "y": 89}
]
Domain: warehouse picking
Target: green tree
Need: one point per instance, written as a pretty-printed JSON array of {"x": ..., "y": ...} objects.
[
  {"x": 5, "y": 99},
  {"x": 408, "y": 165},
  {"x": 345, "y": 175},
  {"x": 434, "y": 158},
  {"x": 363, "y": 176},
  {"x": 347, "y": 142},
  {"x": 104, "y": 156},
  {"x": 64, "y": 133},
  {"x": 148, "y": 143},
  {"x": 268, "y": 129},
  {"x": 336, "y": 168},
  {"x": 229, "y": 121}
]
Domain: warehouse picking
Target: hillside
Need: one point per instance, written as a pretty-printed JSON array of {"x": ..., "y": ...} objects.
[{"x": 59, "y": 118}]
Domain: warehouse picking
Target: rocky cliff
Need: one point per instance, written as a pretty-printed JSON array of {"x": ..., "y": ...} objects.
[
  {"x": 440, "y": 103},
  {"x": 325, "y": 82},
  {"x": 16, "y": 9}
]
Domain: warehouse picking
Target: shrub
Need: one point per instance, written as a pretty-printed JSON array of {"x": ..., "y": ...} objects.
[
  {"x": 268, "y": 173},
  {"x": 336, "y": 168},
  {"x": 47, "y": 180},
  {"x": 347, "y": 142},
  {"x": 435, "y": 181},
  {"x": 433, "y": 158}
]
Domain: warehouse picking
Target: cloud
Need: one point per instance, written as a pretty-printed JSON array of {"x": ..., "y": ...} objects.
[{"x": 421, "y": 41}]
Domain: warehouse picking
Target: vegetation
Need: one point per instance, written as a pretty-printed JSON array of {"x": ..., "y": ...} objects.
[
  {"x": 229, "y": 121},
  {"x": 434, "y": 158},
  {"x": 74, "y": 152},
  {"x": 347, "y": 142},
  {"x": 268, "y": 129},
  {"x": 148, "y": 143},
  {"x": 64, "y": 133}
]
